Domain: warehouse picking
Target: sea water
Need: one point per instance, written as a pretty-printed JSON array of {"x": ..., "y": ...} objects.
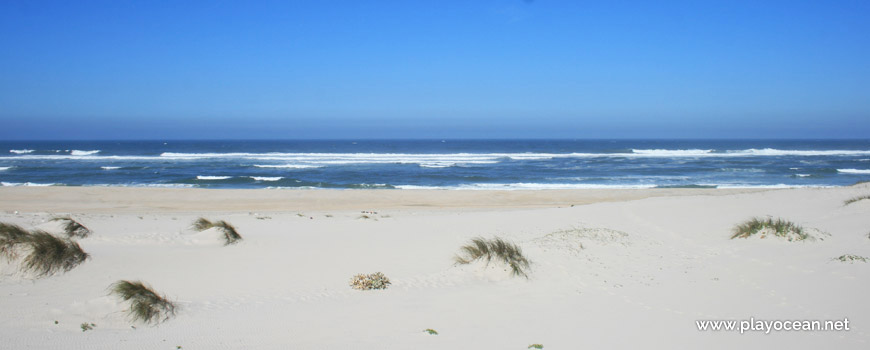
[{"x": 436, "y": 164}]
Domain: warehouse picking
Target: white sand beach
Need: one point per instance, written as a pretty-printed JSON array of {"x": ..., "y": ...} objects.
[{"x": 610, "y": 269}]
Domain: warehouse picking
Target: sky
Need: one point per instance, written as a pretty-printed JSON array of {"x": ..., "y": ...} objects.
[{"x": 434, "y": 69}]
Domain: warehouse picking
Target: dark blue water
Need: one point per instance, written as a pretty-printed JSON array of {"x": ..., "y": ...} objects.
[{"x": 451, "y": 164}]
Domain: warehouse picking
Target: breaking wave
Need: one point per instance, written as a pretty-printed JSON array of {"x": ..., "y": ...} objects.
[
  {"x": 266, "y": 178},
  {"x": 205, "y": 177},
  {"x": 854, "y": 171}
]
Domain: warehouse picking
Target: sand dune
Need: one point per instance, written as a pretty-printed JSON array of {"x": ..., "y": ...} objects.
[{"x": 619, "y": 269}]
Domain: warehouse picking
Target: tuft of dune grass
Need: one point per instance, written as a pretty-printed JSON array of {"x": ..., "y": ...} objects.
[
  {"x": 231, "y": 236},
  {"x": 850, "y": 258},
  {"x": 10, "y": 236},
  {"x": 145, "y": 304},
  {"x": 46, "y": 254},
  {"x": 202, "y": 224},
  {"x": 49, "y": 254},
  {"x": 73, "y": 228},
  {"x": 855, "y": 199},
  {"x": 495, "y": 249},
  {"x": 778, "y": 227}
]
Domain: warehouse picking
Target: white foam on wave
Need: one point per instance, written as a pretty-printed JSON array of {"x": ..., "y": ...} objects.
[
  {"x": 202, "y": 177},
  {"x": 779, "y": 152},
  {"x": 26, "y": 184},
  {"x": 442, "y": 160},
  {"x": 416, "y": 187},
  {"x": 2, "y": 168},
  {"x": 854, "y": 171},
  {"x": 671, "y": 153},
  {"x": 266, "y": 178},
  {"x": 110, "y": 167},
  {"x": 287, "y": 166},
  {"x": 752, "y": 152},
  {"x": 803, "y": 175},
  {"x": 87, "y": 157},
  {"x": 21, "y": 151}
]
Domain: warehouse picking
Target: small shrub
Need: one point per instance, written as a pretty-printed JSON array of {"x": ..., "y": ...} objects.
[
  {"x": 73, "y": 228},
  {"x": 850, "y": 258},
  {"x": 375, "y": 280},
  {"x": 855, "y": 199},
  {"x": 145, "y": 305},
  {"x": 231, "y": 236},
  {"x": 49, "y": 254},
  {"x": 430, "y": 331},
  {"x": 778, "y": 227},
  {"x": 87, "y": 326},
  {"x": 495, "y": 249},
  {"x": 536, "y": 346}
]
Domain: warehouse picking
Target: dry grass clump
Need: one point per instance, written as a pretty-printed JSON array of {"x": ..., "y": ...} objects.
[
  {"x": 850, "y": 258},
  {"x": 778, "y": 227},
  {"x": 46, "y": 254},
  {"x": 145, "y": 304},
  {"x": 49, "y": 254},
  {"x": 10, "y": 236},
  {"x": 231, "y": 236},
  {"x": 73, "y": 228},
  {"x": 855, "y": 199},
  {"x": 375, "y": 280},
  {"x": 495, "y": 249}
]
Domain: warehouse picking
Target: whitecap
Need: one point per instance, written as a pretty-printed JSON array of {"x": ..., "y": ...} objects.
[
  {"x": 110, "y": 167},
  {"x": 26, "y": 184},
  {"x": 2, "y": 168},
  {"x": 854, "y": 171},
  {"x": 288, "y": 166},
  {"x": 201, "y": 177},
  {"x": 21, "y": 151},
  {"x": 266, "y": 178},
  {"x": 672, "y": 153},
  {"x": 76, "y": 152}
]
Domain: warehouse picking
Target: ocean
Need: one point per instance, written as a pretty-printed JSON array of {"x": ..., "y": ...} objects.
[{"x": 437, "y": 164}]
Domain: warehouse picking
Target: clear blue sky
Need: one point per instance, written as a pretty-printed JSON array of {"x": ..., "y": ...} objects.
[{"x": 434, "y": 69}]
